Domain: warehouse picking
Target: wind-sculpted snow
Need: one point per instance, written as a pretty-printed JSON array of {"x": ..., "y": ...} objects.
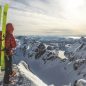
[
  {"x": 23, "y": 69},
  {"x": 52, "y": 67},
  {"x": 80, "y": 82}
]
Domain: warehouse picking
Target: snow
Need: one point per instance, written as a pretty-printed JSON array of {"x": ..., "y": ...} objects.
[
  {"x": 31, "y": 76},
  {"x": 61, "y": 64},
  {"x": 51, "y": 67},
  {"x": 80, "y": 82},
  {"x": 61, "y": 54}
]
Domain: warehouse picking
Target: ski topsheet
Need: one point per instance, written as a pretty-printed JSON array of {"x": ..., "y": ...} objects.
[
  {"x": 4, "y": 19},
  {"x": 0, "y": 35}
]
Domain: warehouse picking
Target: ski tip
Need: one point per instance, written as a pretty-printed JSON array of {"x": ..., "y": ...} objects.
[{"x": 6, "y": 6}]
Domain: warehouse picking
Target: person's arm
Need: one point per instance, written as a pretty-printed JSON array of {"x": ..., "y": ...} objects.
[{"x": 13, "y": 42}]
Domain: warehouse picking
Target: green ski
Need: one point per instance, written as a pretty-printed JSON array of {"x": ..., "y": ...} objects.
[
  {"x": 4, "y": 19},
  {"x": 0, "y": 35}
]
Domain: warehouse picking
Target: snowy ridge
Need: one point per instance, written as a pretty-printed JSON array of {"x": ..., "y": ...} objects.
[
  {"x": 23, "y": 69},
  {"x": 25, "y": 77}
]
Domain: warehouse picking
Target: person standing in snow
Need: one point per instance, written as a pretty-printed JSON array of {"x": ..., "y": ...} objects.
[{"x": 10, "y": 43}]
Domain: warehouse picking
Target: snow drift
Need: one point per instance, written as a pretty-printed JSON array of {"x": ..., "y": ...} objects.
[{"x": 24, "y": 70}]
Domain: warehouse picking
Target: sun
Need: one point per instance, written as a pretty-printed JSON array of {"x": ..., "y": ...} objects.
[{"x": 72, "y": 8}]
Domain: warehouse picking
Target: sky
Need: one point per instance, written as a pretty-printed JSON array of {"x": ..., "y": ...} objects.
[{"x": 47, "y": 17}]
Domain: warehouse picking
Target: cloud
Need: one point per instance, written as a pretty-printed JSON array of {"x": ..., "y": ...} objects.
[
  {"x": 47, "y": 16},
  {"x": 35, "y": 23}
]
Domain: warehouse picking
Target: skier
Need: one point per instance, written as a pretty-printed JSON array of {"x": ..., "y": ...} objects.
[{"x": 10, "y": 43}]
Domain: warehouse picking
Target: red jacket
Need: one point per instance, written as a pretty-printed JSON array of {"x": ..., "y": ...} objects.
[{"x": 9, "y": 43}]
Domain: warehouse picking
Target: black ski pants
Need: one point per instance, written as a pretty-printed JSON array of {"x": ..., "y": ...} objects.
[{"x": 8, "y": 69}]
